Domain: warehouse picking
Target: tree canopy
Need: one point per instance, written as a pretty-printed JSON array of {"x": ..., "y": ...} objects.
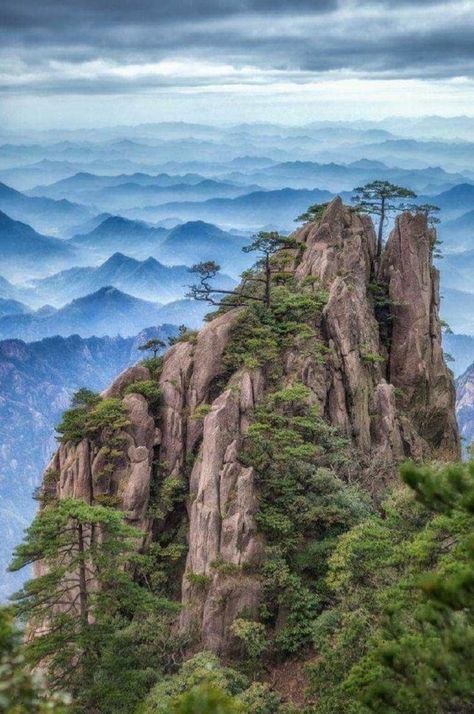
[{"x": 381, "y": 198}]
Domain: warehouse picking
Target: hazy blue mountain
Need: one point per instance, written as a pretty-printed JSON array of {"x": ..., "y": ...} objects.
[
  {"x": 115, "y": 233},
  {"x": 195, "y": 241},
  {"x": 87, "y": 226},
  {"x": 454, "y": 202},
  {"x": 457, "y": 270},
  {"x": 457, "y": 308},
  {"x": 108, "y": 311},
  {"x": 344, "y": 177},
  {"x": 37, "y": 381},
  {"x": 12, "y": 307},
  {"x": 458, "y": 233},
  {"x": 43, "y": 214},
  {"x": 185, "y": 312},
  {"x": 23, "y": 251},
  {"x": 148, "y": 279},
  {"x": 24, "y": 178},
  {"x": 116, "y": 193},
  {"x": 8, "y": 291},
  {"x": 130, "y": 195},
  {"x": 250, "y": 211},
  {"x": 461, "y": 349},
  {"x": 407, "y": 153}
]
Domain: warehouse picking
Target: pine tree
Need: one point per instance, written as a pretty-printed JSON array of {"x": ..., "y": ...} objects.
[
  {"x": 381, "y": 198},
  {"x": 83, "y": 593}
]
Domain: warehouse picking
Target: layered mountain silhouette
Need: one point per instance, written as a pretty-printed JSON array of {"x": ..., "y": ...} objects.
[
  {"x": 119, "y": 193},
  {"x": 148, "y": 279},
  {"x": 120, "y": 234},
  {"x": 12, "y": 307},
  {"x": 43, "y": 214},
  {"x": 194, "y": 241},
  {"x": 108, "y": 311},
  {"x": 23, "y": 249},
  {"x": 249, "y": 211}
]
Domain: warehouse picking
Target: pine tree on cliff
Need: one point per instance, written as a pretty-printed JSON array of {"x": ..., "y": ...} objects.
[
  {"x": 381, "y": 198},
  {"x": 83, "y": 594},
  {"x": 154, "y": 345},
  {"x": 266, "y": 245}
]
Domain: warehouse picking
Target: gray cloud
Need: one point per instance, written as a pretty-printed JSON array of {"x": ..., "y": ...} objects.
[{"x": 44, "y": 47}]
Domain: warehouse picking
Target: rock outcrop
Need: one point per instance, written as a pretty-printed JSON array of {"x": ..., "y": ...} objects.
[{"x": 382, "y": 382}]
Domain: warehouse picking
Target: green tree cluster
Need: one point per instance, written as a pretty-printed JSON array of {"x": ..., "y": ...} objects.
[{"x": 85, "y": 606}]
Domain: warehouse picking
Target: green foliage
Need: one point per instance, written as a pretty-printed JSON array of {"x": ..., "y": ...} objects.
[
  {"x": 313, "y": 213},
  {"x": 201, "y": 412},
  {"x": 369, "y": 357},
  {"x": 303, "y": 507},
  {"x": 155, "y": 365},
  {"x": 381, "y": 197},
  {"x": 154, "y": 345},
  {"x": 252, "y": 636},
  {"x": 202, "y": 682},
  {"x": 260, "y": 335},
  {"x": 22, "y": 692},
  {"x": 400, "y": 634},
  {"x": 149, "y": 389},
  {"x": 89, "y": 415},
  {"x": 134, "y": 658},
  {"x": 206, "y": 699},
  {"x": 199, "y": 579},
  {"x": 85, "y": 594},
  {"x": 184, "y": 335}
]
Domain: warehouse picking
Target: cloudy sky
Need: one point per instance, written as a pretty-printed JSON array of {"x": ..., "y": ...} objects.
[{"x": 100, "y": 62}]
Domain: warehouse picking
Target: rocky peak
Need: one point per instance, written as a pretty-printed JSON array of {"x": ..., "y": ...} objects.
[{"x": 370, "y": 362}]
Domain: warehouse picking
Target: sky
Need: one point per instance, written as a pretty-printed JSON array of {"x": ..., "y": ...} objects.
[{"x": 105, "y": 62}]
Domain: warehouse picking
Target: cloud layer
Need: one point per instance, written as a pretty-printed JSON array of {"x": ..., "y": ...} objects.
[{"x": 122, "y": 47}]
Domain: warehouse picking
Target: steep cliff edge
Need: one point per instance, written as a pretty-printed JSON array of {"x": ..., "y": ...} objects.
[{"x": 346, "y": 361}]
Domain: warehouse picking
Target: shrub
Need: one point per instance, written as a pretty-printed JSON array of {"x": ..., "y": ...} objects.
[
  {"x": 90, "y": 417},
  {"x": 252, "y": 636},
  {"x": 201, "y": 412},
  {"x": 155, "y": 365},
  {"x": 149, "y": 389}
]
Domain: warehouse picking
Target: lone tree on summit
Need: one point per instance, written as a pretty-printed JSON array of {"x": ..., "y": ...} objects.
[{"x": 381, "y": 198}]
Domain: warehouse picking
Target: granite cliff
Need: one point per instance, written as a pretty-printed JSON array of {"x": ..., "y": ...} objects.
[{"x": 368, "y": 360}]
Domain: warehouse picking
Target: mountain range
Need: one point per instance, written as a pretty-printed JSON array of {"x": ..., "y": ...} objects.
[
  {"x": 108, "y": 311},
  {"x": 116, "y": 233},
  {"x": 148, "y": 279},
  {"x": 24, "y": 252},
  {"x": 43, "y": 214},
  {"x": 248, "y": 212}
]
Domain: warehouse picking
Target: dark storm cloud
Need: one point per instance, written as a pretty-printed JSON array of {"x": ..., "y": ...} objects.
[
  {"x": 42, "y": 44},
  {"x": 31, "y": 15}
]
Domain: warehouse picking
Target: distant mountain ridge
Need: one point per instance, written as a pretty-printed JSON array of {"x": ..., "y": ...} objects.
[
  {"x": 116, "y": 233},
  {"x": 147, "y": 279},
  {"x": 43, "y": 214},
  {"x": 23, "y": 250},
  {"x": 249, "y": 211},
  {"x": 107, "y": 311}
]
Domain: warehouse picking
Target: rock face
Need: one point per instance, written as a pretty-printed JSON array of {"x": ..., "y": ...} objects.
[
  {"x": 416, "y": 364},
  {"x": 383, "y": 382}
]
